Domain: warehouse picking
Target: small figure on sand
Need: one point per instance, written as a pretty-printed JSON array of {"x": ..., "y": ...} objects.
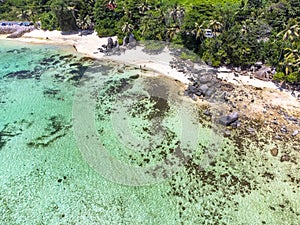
[{"x": 74, "y": 46}]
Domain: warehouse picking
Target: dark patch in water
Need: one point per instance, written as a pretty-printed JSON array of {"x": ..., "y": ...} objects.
[
  {"x": 161, "y": 107},
  {"x": 64, "y": 57},
  {"x": 23, "y": 74},
  {"x": 158, "y": 110},
  {"x": 56, "y": 129},
  {"x": 10, "y": 130},
  {"x": 51, "y": 92}
]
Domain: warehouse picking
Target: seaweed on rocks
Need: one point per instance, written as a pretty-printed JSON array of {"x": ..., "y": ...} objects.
[
  {"x": 159, "y": 107},
  {"x": 117, "y": 86},
  {"x": 86, "y": 60},
  {"x": 56, "y": 129},
  {"x": 67, "y": 57},
  {"x": 11, "y": 130},
  {"x": 51, "y": 92},
  {"x": 2, "y": 141},
  {"x": 78, "y": 73},
  {"x": 18, "y": 50},
  {"x": 23, "y": 74},
  {"x": 219, "y": 182},
  {"x": 109, "y": 94}
]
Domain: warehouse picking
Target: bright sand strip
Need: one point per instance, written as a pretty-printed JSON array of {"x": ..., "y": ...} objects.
[{"x": 89, "y": 44}]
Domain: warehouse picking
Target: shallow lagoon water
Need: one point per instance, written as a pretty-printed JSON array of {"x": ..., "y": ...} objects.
[{"x": 46, "y": 178}]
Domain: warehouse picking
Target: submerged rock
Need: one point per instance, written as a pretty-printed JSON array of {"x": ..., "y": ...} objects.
[
  {"x": 22, "y": 74},
  {"x": 285, "y": 158},
  {"x": 133, "y": 77},
  {"x": 274, "y": 152},
  {"x": 229, "y": 119},
  {"x": 203, "y": 88}
]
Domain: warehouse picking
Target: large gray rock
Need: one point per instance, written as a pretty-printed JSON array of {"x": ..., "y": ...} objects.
[
  {"x": 110, "y": 43},
  {"x": 212, "y": 71},
  {"x": 132, "y": 39},
  {"x": 229, "y": 119},
  {"x": 205, "y": 79},
  {"x": 210, "y": 92},
  {"x": 203, "y": 88}
]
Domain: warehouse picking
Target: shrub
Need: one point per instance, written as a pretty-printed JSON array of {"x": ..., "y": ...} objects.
[
  {"x": 279, "y": 76},
  {"x": 293, "y": 77},
  {"x": 49, "y": 21}
]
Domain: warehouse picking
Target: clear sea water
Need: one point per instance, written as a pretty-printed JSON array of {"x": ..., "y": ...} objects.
[{"x": 84, "y": 142}]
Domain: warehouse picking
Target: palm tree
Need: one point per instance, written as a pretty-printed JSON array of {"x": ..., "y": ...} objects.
[
  {"x": 171, "y": 32},
  {"x": 179, "y": 15},
  {"x": 144, "y": 26},
  {"x": 25, "y": 14},
  {"x": 85, "y": 23},
  {"x": 143, "y": 7},
  {"x": 199, "y": 30},
  {"x": 216, "y": 26},
  {"x": 291, "y": 32},
  {"x": 127, "y": 12},
  {"x": 291, "y": 60},
  {"x": 127, "y": 28}
]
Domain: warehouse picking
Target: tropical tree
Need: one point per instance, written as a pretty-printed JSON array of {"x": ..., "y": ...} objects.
[
  {"x": 291, "y": 32},
  {"x": 216, "y": 26},
  {"x": 199, "y": 30},
  {"x": 64, "y": 11},
  {"x": 144, "y": 7},
  {"x": 127, "y": 28},
  {"x": 171, "y": 32},
  {"x": 291, "y": 61}
]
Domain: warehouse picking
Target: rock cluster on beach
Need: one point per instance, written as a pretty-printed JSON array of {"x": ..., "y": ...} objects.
[
  {"x": 15, "y": 31},
  {"x": 247, "y": 111}
]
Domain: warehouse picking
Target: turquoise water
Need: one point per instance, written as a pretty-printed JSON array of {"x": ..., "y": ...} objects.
[{"x": 66, "y": 123}]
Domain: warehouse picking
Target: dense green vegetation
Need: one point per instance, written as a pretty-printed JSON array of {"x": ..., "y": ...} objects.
[{"x": 243, "y": 32}]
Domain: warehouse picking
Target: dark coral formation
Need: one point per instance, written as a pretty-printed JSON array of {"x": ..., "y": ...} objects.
[
  {"x": 56, "y": 129},
  {"x": 10, "y": 130}
]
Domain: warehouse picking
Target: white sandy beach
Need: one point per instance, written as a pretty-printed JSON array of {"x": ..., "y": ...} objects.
[{"x": 89, "y": 44}]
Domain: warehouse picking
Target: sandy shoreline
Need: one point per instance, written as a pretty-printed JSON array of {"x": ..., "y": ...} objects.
[
  {"x": 159, "y": 63},
  {"x": 89, "y": 44}
]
